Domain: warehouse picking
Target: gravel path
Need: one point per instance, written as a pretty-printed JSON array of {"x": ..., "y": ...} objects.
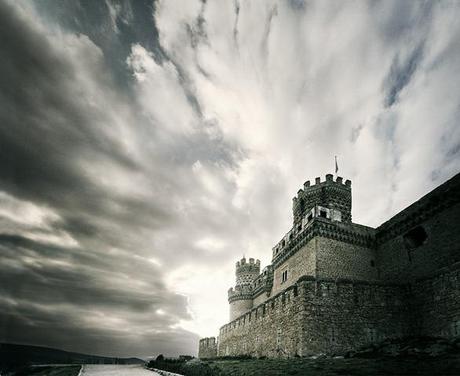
[{"x": 116, "y": 370}]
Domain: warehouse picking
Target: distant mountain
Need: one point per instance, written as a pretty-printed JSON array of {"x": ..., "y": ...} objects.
[{"x": 14, "y": 355}]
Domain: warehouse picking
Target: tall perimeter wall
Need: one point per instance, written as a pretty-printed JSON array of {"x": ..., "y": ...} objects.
[
  {"x": 334, "y": 285},
  {"x": 318, "y": 316}
]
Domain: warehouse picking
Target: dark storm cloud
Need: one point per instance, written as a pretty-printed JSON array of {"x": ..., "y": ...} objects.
[
  {"x": 62, "y": 329},
  {"x": 79, "y": 276},
  {"x": 53, "y": 128},
  {"x": 50, "y": 125},
  {"x": 143, "y": 150},
  {"x": 112, "y": 25},
  {"x": 48, "y": 130},
  {"x": 401, "y": 72}
]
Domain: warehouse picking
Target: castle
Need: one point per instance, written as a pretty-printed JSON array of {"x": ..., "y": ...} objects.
[{"x": 334, "y": 285}]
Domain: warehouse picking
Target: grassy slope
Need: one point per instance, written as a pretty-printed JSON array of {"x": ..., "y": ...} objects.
[{"x": 330, "y": 367}]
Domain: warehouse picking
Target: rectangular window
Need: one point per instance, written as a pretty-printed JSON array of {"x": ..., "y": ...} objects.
[{"x": 284, "y": 276}]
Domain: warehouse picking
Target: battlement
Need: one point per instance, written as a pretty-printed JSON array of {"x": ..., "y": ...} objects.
[
  {"x": 301, "y": 234},
  {"x": 334, "y": 286},
  {"x": 329, "y": 181},
  {"x": 330, "y": 193},
  {"x": 207, "y": 348},
  {"x": 312, "y": 291},
  {"x": 208, "y": 341},
  {"x": 243, "y": 265},
  {"x": 240, "y": 292},
  {"x": 246, "y": 272}
]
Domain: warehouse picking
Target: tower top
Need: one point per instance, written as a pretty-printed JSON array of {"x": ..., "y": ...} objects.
[
  {"x": 330, "y": 193},
  {"x": 246, "y": 272}
]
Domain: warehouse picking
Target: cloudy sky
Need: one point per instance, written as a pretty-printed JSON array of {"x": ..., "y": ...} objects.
[{"x": 147, "y": 145}]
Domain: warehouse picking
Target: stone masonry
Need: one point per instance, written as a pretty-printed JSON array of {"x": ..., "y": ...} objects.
[
  {"x": 334, "y": 285},
  {"x": 208, "y": 348}
]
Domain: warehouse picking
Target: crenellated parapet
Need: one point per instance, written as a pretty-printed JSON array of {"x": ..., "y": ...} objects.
[
  {"x": 334, "y": 286},
  {"x": 331, "y": 194},
  {"x": 246, "y": 272},
  {"x": 207, "y": 348},
  {"x": 347, "y": 233},
  {"x": 240, "y": 292},
  {"x": 240, "y": 297},
  {"x": 309, "y": 292}
]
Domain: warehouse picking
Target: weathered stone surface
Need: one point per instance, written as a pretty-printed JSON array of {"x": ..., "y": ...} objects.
[
  {"x": 317, "y": 316},
  {"x": 207, "y": 348},
  {"x": 335, "y": 286}
]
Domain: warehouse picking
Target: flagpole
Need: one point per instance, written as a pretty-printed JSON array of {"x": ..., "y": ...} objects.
[{"x": 336, "y": 167}]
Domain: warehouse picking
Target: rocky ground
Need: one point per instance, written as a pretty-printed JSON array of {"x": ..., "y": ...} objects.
[{"x": 411, "y": 347}]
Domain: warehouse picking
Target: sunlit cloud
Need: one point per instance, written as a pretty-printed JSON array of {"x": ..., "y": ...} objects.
[{"x": 144, "y": 153}]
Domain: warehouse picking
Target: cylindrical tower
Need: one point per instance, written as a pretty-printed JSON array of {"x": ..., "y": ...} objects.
[
  {"x": 246, "y": 272},
  {"x": 240, "y": 297}
]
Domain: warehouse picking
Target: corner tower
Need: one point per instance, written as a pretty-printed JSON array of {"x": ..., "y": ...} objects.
[
  {"x": 240, "y": 297},
  {"x": 332, "y": 195}
]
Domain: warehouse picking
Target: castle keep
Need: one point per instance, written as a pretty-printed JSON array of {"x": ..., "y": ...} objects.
[{"x": 334, "y": 285}]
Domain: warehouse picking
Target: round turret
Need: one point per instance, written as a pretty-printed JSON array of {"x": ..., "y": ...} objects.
[
  {"x": 246, "y": 272},
  {"x": 240, "y": 298}
]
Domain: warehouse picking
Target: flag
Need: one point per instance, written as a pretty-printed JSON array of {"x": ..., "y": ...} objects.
[{"x": 336, "y": 165}]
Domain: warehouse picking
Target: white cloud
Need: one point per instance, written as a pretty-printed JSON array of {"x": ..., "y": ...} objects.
[{"x": 197, "y": 163}]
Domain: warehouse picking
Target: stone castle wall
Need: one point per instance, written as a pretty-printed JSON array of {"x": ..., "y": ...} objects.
[
  {"x": 301, "y": 263},
  {"x": 398, "y": 259},
  {"x": 259, "y": 299},
  {"x": 240, "y": 306},
  {"x": 336, "y": 259},
  {"x": 349, "y": 285},
  {"x": 270, "y": 329},
  {"x": 207, "y": 348},
  {"x": 317, "y": 316},
  {"x": 437, "y": 302}
]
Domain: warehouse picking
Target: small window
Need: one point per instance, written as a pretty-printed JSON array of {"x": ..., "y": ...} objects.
[
  {"x": 373, "y": 263},
  {"x": 323, "y": 213},
  {"x": 284, "y": 276},
  {"x": 415, "y": 237},
  {"x": 310, "y": 217},
  {"x": 299, "y": 228}
]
